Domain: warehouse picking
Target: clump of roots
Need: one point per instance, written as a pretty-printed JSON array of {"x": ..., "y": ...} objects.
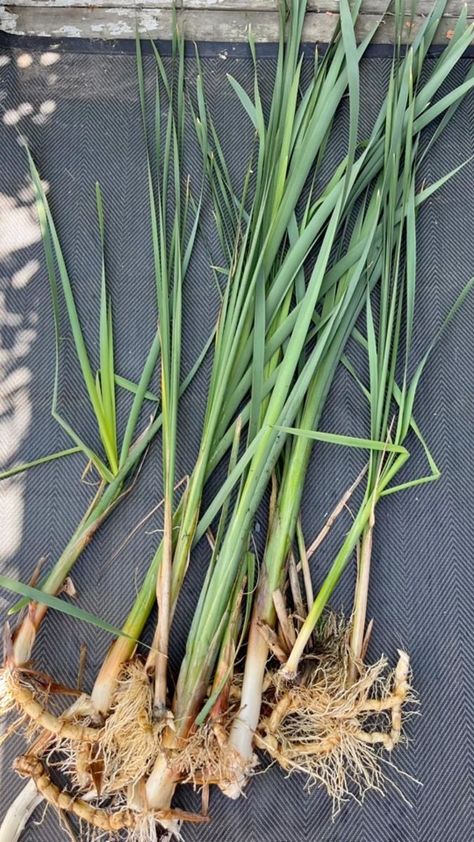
[
  {"x": 205, "y": 757},
  {"x": 131, "y": 738},
  {"x": 8, "y": 703},
  {"x": 331, "y": 728}
]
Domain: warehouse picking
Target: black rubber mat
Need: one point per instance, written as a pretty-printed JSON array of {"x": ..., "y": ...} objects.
[{"x": 78, "y": 107}]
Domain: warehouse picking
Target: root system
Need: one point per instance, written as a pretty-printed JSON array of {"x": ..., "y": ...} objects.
[
  {"x": 19, "y": 692},
  {"x": 110, "y": 821},
  {"x": 131, "y": 738},
  {"x": 331, "y": 728}
]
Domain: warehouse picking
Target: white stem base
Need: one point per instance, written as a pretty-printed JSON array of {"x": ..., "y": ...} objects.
[
  {"x": 107, "y": 680},
  {"x": 246, "y": 722},
  {"x": 19, "y": 812},
  {"x": 102, "y": 696},
  {"x": 160, "y": 788},
  {"x": 23, "y": 642}
]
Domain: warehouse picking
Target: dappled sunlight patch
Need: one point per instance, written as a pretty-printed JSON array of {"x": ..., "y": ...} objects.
[
  {"x": 46, "y": 109},
  {"x": 23, "y": 276},
  {"x": 11, "y": 519},
  {"x": 48, "y": 58},
  {"x": 13, "y": 116},
  {"x": 24, "y": 60},
  {"x": 19, "y": 230},
  {"x": 18, "y": 226}
]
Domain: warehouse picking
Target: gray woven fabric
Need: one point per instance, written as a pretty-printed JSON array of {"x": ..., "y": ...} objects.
[{"x": 79, "y": 109}]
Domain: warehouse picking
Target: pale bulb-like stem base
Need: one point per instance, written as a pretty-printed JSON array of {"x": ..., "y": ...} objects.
[{"x": 19, "y": 813}]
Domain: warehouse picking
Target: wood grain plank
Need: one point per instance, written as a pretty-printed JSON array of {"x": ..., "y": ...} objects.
[
  {"x": 370, "y": 7},
  {"x": 213, "y": 25}
]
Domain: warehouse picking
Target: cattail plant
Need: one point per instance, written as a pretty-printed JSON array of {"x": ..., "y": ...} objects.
[
  {"x": 334, "y": 753},
  {"x": 394, "y": 141},
  {"x": 295, "y": 283},
  {"x": 120, "y": 458},
  {"x": 235, "y": 342},
  {"x": 286, "y": 151}
]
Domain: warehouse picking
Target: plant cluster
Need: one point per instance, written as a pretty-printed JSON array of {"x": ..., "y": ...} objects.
[{"x": 307, "y": 264}]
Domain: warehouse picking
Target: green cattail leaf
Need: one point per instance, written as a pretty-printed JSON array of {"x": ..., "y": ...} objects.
[
  {"x": 245, "y": 100},
  {"x": 25, "y": 466},
  {"x": 344, "y": 441},
  {"x": 35, "y": 595}
]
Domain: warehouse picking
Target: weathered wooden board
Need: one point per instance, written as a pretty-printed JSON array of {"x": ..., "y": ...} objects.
[
  {"x": 201, "y": 20},
  {"x": 369, "y": 7}
]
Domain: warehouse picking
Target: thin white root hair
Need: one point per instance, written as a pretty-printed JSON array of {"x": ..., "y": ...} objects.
[
  {"x": 206, "y": 757},
  {"x": 131, "y": 738},
  {"x": 333, "y": 730}
]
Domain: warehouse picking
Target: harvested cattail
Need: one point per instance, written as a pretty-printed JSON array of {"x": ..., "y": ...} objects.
[
  {"x": 388, "y": 218},
  {"x": 280, "y": 337},
  {"x": 330, "y": 728},
  {"x": 121, "y": 819}
]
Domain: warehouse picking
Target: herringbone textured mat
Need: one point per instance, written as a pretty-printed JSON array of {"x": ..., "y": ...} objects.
[{"x": 79, "y": 110}]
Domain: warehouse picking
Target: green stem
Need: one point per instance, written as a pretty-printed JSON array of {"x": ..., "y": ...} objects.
[
  {"x": 139, "y": 397},
  {"x": 344, "y": 555},
  {"x": 360, "y": 599},
  {"x": 25, "y": 634}
]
